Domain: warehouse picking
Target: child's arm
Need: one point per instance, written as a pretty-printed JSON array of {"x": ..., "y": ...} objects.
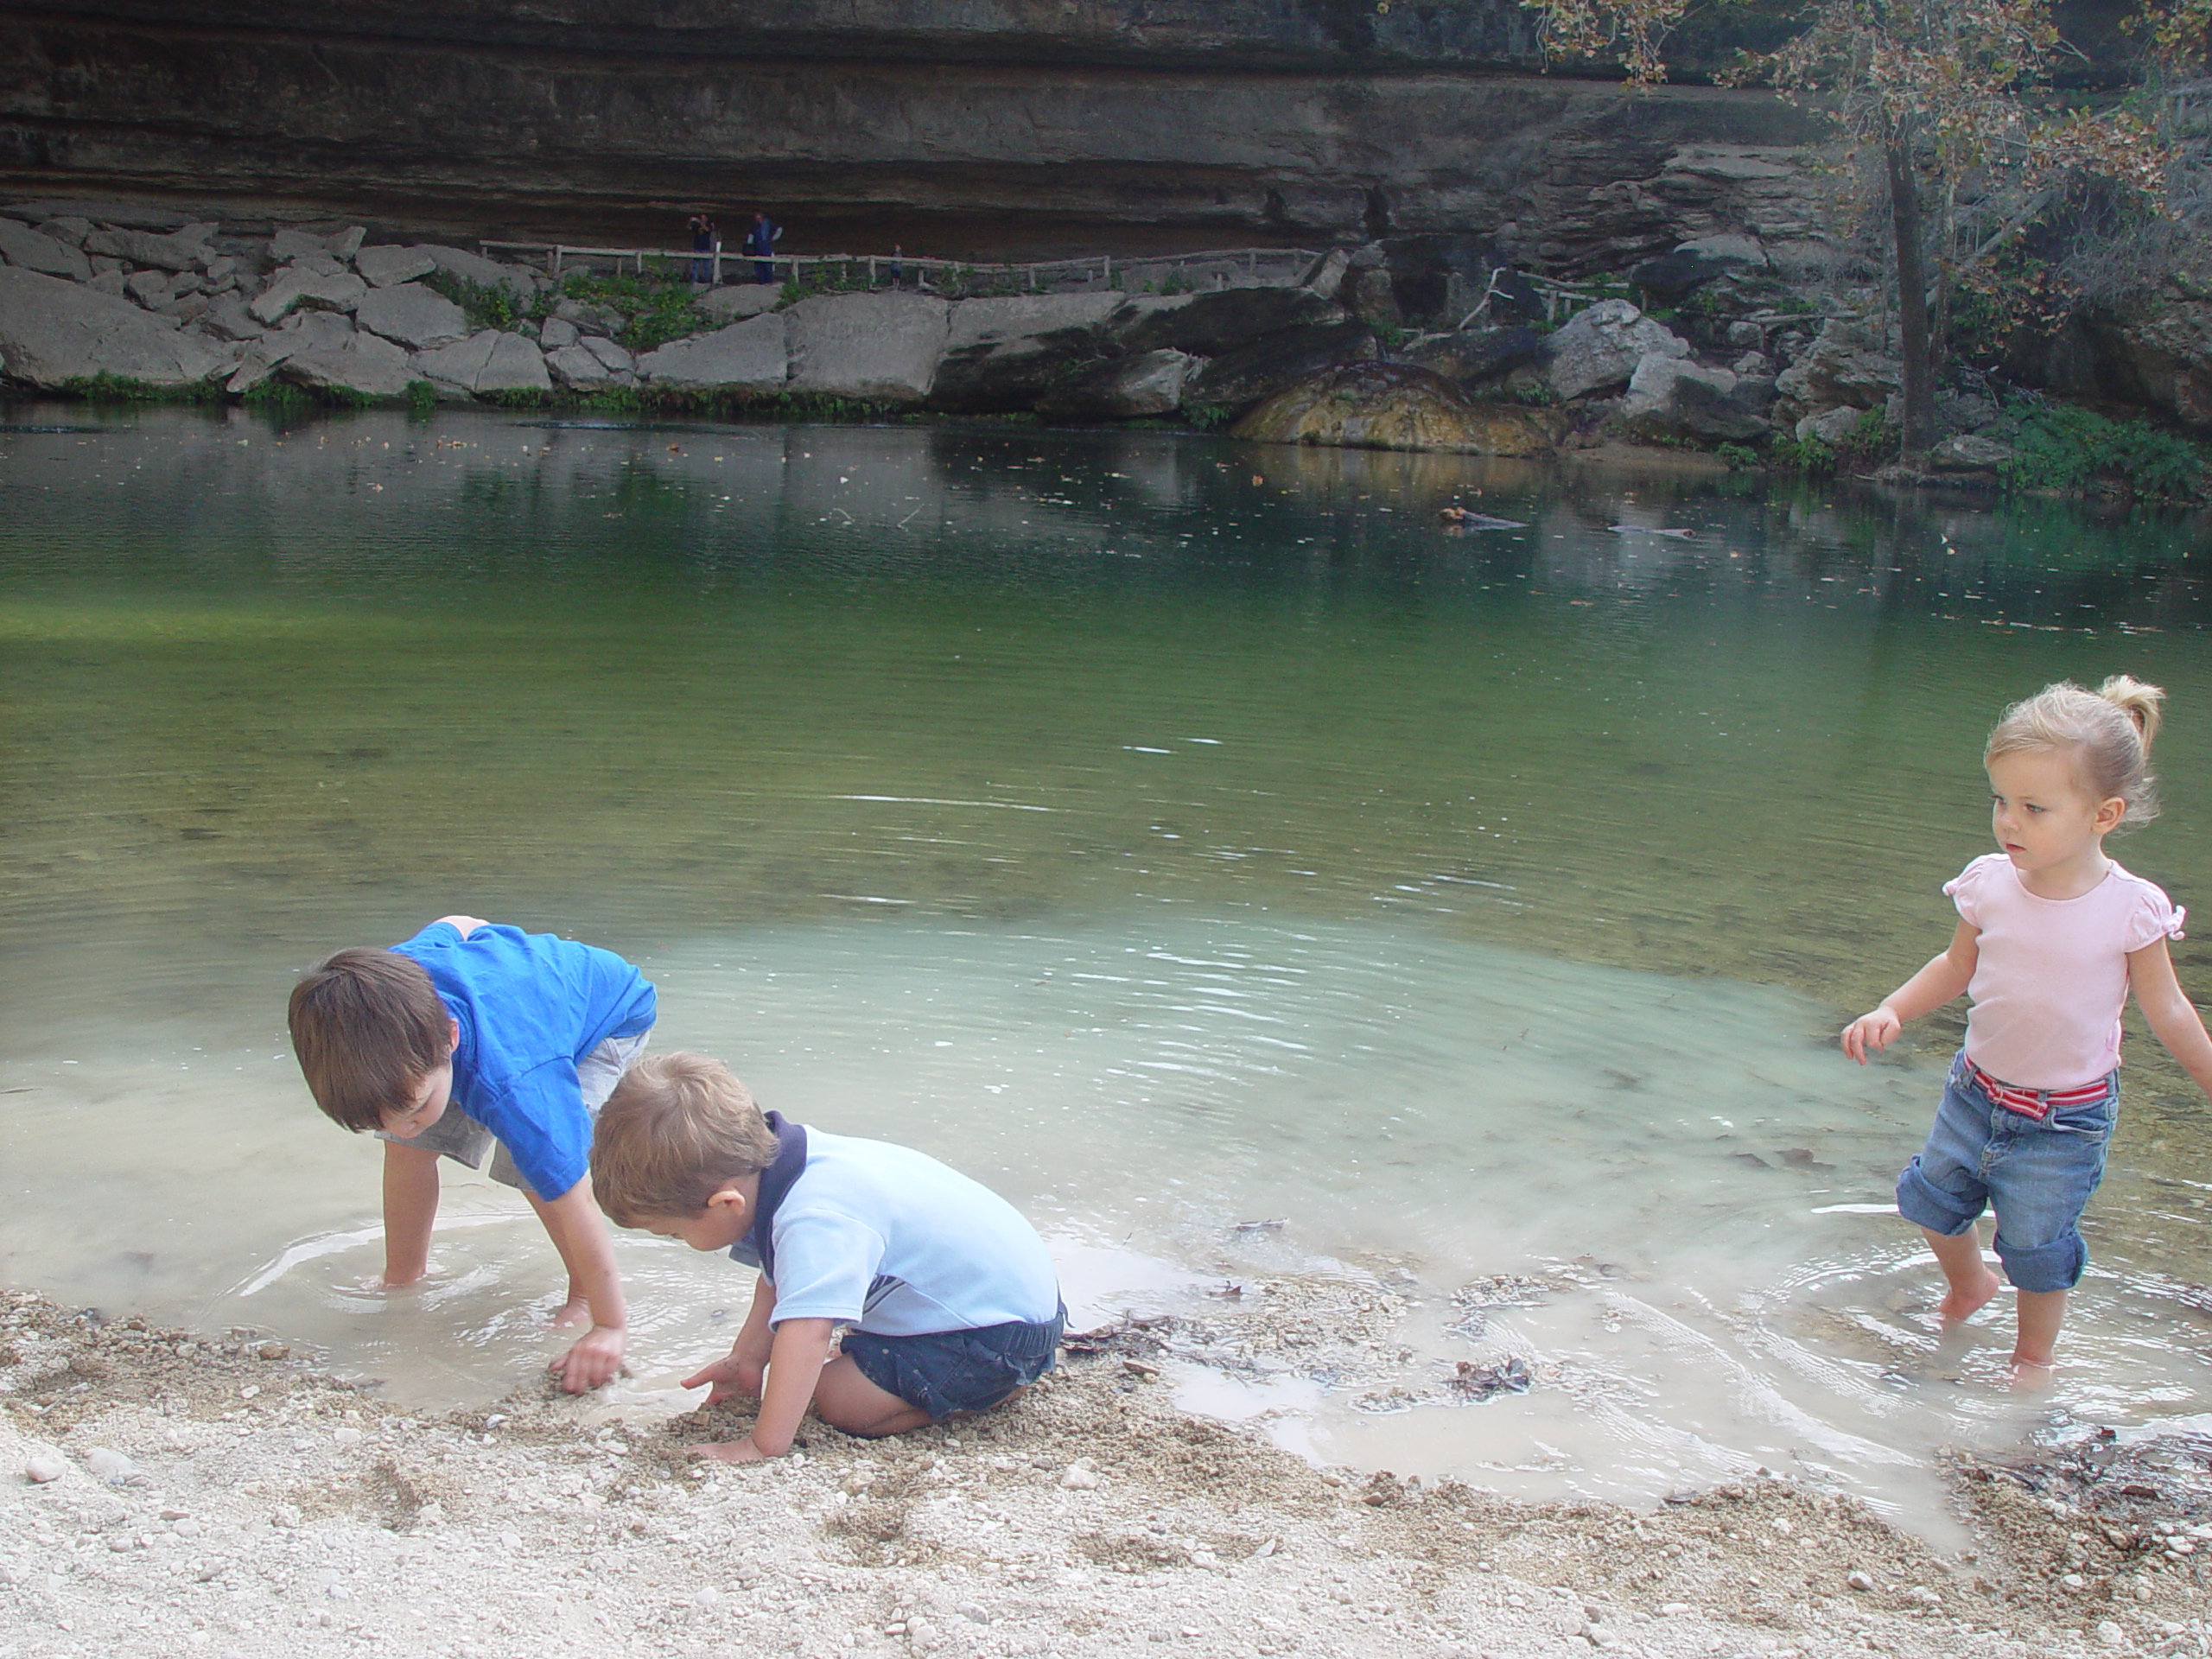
[
  {"x": 411, "y": 1210},
  {"x": 2171, "y": 1014},
  {"x": 800, "y": 1350},
  {"x": 579, "y": 1234},
  {"x": 1943, "y": 978},
  {"x": 741, "y": 1371}
]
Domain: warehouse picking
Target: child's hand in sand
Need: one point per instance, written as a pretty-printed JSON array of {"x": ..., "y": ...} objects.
[
  {"x": 736, "y": 1372},
  {"x": 732, "y": 1452},
  {"x": 595, "y": 1358}
]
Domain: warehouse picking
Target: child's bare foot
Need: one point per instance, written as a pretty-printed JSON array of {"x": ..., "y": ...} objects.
[
  {"x": 1962, "y": 1305},
  {"x": 574, "y": 1311},
  {"x": 2030, "y": 1376}
]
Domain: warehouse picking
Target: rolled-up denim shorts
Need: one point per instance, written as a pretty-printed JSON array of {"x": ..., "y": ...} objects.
[
  {"x": 461, "y": 1138},
  {"x": 948, "y": 1371},
  {"x": 2036, "y": 1174}
]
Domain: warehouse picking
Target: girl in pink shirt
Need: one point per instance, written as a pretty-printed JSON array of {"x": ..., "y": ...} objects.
[{"x": 2052, "y": 935}]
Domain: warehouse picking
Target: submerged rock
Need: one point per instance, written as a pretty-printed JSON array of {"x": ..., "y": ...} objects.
[
  {"x": 878, "y": 347},
  {"x": 1398, "y": 406},
  {"x": 53, "y": 332}
]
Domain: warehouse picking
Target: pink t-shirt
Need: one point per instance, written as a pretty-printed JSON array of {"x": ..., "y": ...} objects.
[{"x": 2052, "y": 976}]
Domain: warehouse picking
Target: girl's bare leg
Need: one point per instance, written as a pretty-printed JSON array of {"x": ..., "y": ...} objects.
[{"x": 1969, "y": 1281}]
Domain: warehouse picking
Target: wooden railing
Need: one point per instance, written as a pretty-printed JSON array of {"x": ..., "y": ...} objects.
[{"x": 1219, "y": 268}]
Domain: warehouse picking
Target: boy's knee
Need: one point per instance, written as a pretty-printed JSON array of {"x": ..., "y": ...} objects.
[
  {"x": 1940, "y": 1210},
  {"x": 2055, "y": 1266}
]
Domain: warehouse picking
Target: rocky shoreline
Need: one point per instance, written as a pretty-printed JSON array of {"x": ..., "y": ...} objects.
[
  {"x": 1421, "y": 343},
  {"x": 163, "y": 1492}
]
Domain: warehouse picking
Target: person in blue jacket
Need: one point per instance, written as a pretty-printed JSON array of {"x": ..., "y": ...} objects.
[
  {"x": 470, "y": 1039},
  {"x": 761, "y": 243}
]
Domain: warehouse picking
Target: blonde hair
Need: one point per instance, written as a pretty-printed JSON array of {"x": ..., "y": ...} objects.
[
  {"x": 678, "y": 1130},
  {"x": 2108, "y": 731}
]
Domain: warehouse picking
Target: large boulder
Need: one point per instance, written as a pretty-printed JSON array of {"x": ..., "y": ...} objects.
[
  {"x": 452, "y": 369},
  {"x": 366, "y": 369},
  {"x": 2156, "y": 349},
  {"x": 386, "y": 265},
  {"x": 1677, "y": 275},
  {"x": 53, "y": 332},
  {"x": 1398, "y": 406},
  {"x": 515, "y": 364},
  {"x": 1671, "y": 400},
  {"x": 412, "y": 315},
  {"x": 296, "y": 285},
  {"x": 1235, "y": 381},
  {"x": 27, "y": 250},
  {"x": 1845, "y": 365},
  {"x": 573, "y": 366},
  {"x": 185, "y": 249},
  {"x": 1210, "y": 324},
  {"x": 1598, "y": 348},
  {"x": 1479, "y": 353},
  {"x": 1123, "y": 388},
  {"x": 485, "y": 273},
  {"x": 1006, "y": 354},
  {"x": 751, "y": 358},
  {"x": 736, "y": 301},
  {"x": 879, "y": 347}
]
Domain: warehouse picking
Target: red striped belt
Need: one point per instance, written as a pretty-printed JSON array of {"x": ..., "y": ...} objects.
[{"x": 2038, "y": 1104}]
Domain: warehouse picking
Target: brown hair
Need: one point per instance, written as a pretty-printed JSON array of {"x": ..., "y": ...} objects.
[
  {"x": 678, "y": 1130},
  {"x": 2108, "y": 730},
  {"x": 368, "y": 1027}
]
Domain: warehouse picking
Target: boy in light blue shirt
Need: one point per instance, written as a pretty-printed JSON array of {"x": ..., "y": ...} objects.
[
  {"x": 470, "y": 1040},
  {"x": 948, "y": 1297}
]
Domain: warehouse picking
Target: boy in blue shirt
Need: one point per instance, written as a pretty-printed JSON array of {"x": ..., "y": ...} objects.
[
  {"x": 468, "y": 1039},
  {"x": 949, "y": 1299}
]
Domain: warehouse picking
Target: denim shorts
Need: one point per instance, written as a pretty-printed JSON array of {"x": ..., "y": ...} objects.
[
  {"x": 2036, "y": 1175},
  {"x": 461, "y": 1138},
  {"x": 947, "y": 1371}
]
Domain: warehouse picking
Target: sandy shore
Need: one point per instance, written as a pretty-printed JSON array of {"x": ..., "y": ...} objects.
[{"x": 165, "y": 1493}]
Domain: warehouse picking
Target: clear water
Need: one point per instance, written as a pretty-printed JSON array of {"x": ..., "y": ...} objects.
[{"x": 1173, "y": 833}]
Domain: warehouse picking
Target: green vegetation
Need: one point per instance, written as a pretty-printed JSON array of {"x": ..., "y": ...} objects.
[
  {"x": 1740, "y": 457},
  {"x": 105, "y": 388},
  {"x": 1206, "y": 417},
  {"x": 1392, "y": 335},
  {"x": 422, "y": 397},
  {"x": 655, "y": 309},
  {"x": 2059, "y": 446},
  {"x": 490, "y": 305}
]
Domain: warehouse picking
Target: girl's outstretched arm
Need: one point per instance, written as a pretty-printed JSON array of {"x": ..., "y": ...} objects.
[
  {"x": 2158, "y": 994},
  {"x": 1943, "y": 978}
]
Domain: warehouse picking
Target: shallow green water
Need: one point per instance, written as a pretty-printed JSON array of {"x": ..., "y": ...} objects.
[{"x": 967, "y": 717}]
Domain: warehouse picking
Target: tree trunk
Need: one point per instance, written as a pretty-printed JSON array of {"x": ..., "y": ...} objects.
[{"x": 1912, "y": 296}]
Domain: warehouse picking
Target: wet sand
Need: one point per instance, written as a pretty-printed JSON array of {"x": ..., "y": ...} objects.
[{"x": 163, "y": 1492}]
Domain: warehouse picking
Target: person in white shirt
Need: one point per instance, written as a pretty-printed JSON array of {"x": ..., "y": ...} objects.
[{"x": 947, "y": 1295}]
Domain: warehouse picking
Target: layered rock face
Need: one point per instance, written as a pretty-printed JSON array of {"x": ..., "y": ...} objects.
[{"x": 966, "y": 128}]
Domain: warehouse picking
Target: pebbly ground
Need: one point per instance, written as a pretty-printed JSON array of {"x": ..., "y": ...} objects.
[{"x": 165, "y": 1494}]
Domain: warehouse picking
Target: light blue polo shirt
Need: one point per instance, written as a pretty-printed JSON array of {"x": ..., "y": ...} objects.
[{"x": 889, "y": 1240}]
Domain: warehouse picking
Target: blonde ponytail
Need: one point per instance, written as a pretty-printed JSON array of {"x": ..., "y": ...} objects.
[{"x": 2108, "y": 731}]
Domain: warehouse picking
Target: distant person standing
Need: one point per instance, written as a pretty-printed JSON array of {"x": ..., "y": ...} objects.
[
  {"x": 898, "y": 266},
  {"x": 704, "y": 239},
  {"x": 760, "y": 244}
]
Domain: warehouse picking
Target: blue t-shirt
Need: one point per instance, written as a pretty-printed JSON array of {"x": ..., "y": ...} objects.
[
  {"x": 530, "y": 1006},
  {"x": 890, "y": 1240}
]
